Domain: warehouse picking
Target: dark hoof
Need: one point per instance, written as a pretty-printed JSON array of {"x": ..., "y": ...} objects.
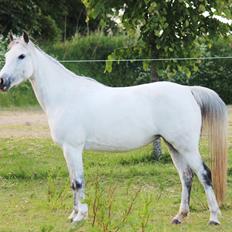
[
  {"x": 176, "y": 221},
  {"x": 214, "y": 223}
]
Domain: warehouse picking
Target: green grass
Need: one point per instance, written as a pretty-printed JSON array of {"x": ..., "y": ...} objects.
[{"x": 128, "y": 189}]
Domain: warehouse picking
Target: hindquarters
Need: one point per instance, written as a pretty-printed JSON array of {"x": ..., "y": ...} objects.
[
  {"x": 182, "y": 133},
  {"x": 197, "y": 107}
]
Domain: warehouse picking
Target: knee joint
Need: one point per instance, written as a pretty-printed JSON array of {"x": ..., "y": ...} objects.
[
  {"x": 188, "y": 177},
  {"x": 76, "y": 185}
]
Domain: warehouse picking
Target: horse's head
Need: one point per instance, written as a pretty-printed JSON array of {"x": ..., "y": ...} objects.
[{"x": 18, "y": 63}]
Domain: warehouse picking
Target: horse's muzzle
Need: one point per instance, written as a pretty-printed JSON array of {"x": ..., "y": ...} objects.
[{"x": 4, "y": 83}]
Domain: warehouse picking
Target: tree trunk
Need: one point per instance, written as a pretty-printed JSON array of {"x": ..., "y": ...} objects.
[
  {"x": 154, "y": 75},
  {"x": 157, "y": 150}
]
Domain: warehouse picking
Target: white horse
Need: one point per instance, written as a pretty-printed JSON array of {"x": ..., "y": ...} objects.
[{"x": 84, "y": 114}]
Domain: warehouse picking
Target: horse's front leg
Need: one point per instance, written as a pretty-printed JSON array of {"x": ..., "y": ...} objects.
[{"x": 73, "y": 157}]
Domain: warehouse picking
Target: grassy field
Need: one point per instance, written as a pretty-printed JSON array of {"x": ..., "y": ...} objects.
[{"x": 125, "y": 191}]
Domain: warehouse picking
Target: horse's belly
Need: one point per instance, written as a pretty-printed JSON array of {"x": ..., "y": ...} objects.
[
  {"x": 120, "y": 132},
  {"x": 126, "y": 145}
]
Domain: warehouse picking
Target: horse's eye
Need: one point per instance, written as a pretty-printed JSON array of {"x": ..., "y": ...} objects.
[{"x": 21, "y": 57}]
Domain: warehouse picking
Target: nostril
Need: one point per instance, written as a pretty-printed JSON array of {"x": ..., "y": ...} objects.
[{"x": 1, "y": 81}]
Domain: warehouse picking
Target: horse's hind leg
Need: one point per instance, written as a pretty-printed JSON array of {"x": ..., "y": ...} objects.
[
  {"x": 203, "y": 173},
  {"x": 186, "y": 176}
]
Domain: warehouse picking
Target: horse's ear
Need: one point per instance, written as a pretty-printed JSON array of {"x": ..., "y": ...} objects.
[
  {"x": 25, "y": 37},
  {"x": 10, "y": 36}
]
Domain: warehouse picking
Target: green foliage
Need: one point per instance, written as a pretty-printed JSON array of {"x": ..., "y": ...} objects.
[
  {"x": 3, "y": 45},
  {"x": 16, "y": 16},
  {"x": 45, "y": 20},
  {"x": 166, "y": 28},
  {"x": 22, "y": 96},
  {"x": 49, "y": 32},
  {"x": 216, "y": 74},
  {"x": 97, "y": 47}
]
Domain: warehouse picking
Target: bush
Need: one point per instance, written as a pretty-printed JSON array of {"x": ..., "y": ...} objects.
[
  {"x": 48, "y": 30},
  {"x": 20, "y": 96},
  {"x": 97, "y": 47},
  {"x": 216, "y": 74},
  {"x": 3, "y": 45}
]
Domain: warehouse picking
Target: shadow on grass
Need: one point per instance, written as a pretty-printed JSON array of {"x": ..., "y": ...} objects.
[
  {"x": 24, "y": 176},
  {"x": 164, "y": 159},
  {"x": 21, "y": 174}
]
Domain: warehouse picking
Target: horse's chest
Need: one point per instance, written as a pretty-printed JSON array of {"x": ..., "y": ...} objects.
[{"x": 63, "y": 131}]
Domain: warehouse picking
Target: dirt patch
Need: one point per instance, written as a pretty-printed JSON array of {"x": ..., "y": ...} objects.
[{"x": 28, "y": 123}]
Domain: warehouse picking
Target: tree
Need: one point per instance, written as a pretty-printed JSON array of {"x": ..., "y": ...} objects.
[
  {"x": 217, "y": 73},
  {"x": 45, "y": 20},
  {"x": 69, "y": 15},
  {"x": 169, "y": 28},
  {"x": 17, "y": 15}
]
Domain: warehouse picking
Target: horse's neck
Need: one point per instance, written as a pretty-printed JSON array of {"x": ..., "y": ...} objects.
[{"x": 50, "y": 81}]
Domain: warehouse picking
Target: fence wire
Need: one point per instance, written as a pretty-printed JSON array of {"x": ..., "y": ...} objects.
[{"x": 142, "y": 60}]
